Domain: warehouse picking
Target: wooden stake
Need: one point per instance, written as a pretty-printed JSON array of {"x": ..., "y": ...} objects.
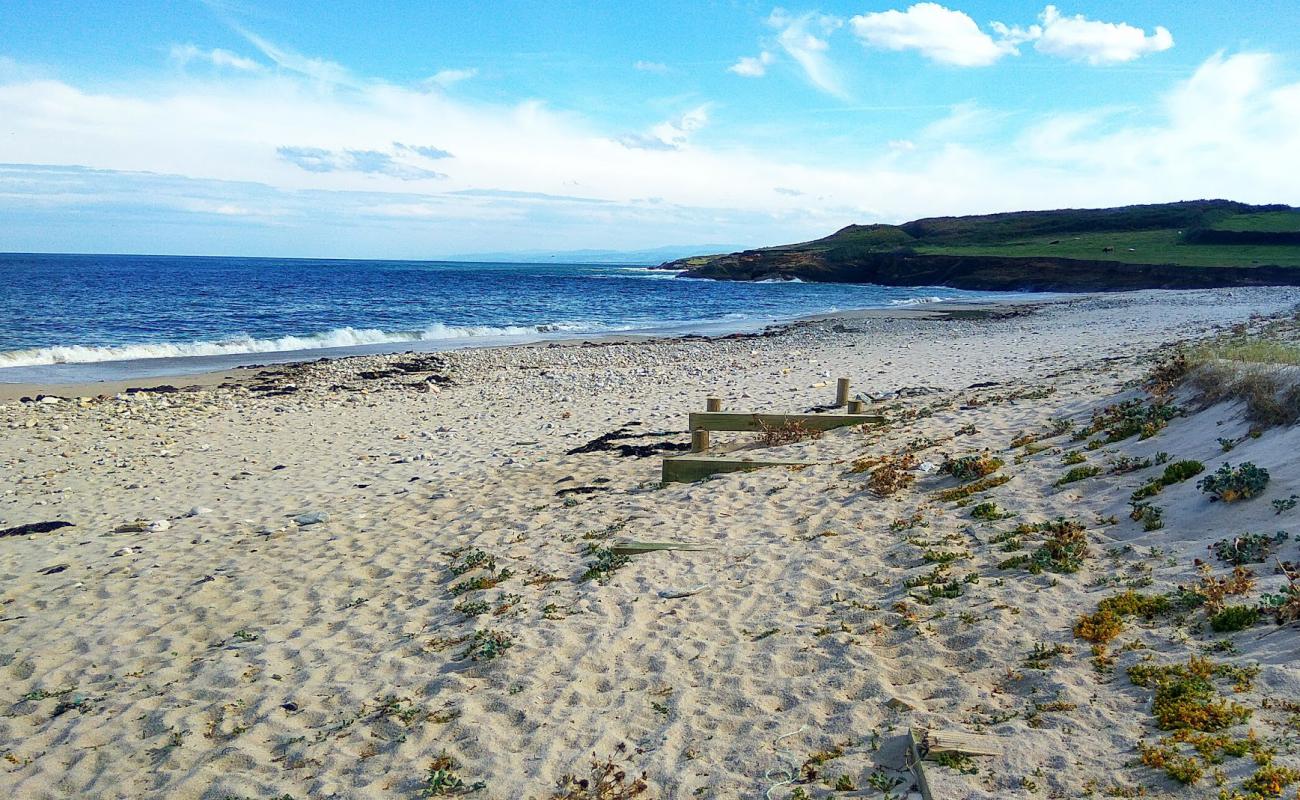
[
  {"x": 842, "y": 392},
  {"x": 713, "y": 404},
  {"x": 856, "y": 406},
  {"x": 699, "y": 440}
]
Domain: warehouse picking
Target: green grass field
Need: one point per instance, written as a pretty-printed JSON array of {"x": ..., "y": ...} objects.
[
  {"x": 1269, "y": 221},
  {"x": 1135, "y": 247}
]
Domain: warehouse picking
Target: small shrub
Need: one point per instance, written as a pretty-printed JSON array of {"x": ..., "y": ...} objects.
[
  {"x": 893, "y": 474},
  {"x": 1248, "y": 548},
  {"x": 1078, "y": 474},
  {"x": 1285, "y": 605},
  {"x": 1212, "y": 591},
  {"x": 1151, "y": 517},
  {"x": 969, "y": 468},
  {"x": 988, "y": 511},
  {"x": 1234, "y": 618},
  {"x": 1231, "y": 484},
  {"x": 787, "y": 433},
  {"x": 1281, "y": 505},
  {"x": 1074, "y": 457}
]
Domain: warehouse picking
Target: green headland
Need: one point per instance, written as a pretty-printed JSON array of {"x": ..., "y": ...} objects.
[{"x": 1191, "y": 244}]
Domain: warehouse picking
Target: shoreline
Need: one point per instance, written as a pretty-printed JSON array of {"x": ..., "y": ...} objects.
[{"x": 237, "y": 375}]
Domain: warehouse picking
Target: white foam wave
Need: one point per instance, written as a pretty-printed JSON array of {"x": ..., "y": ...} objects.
[
  {"x": 913, "y": 301},
  {"x": 341, "y": 337}
]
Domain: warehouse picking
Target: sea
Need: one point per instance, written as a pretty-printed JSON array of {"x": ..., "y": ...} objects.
[{"x": 77, "y": 318}]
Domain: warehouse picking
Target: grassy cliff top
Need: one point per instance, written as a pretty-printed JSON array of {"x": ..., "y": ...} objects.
[{"x": 1201, "y": 233}]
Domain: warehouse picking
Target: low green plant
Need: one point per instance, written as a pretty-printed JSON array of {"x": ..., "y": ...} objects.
[
  {"x": 1280, "y": 505},
  {"x": 975, "y": 487},
  {"x": 1231, "y": 484},
  {"x": 1185, "y": 696},
  {"x": 988, "y": 511},
  {"x": 1248, "y": 548},
  {"x": 486, "y": 645},
  {"x": 1151, "y": 517},
  {"x": 1074, "y": 457},
  {"x": 603, "y": 564},
  {"x": 1078, "y": 474},
  {"x": 1234, "y": 618},
  {"x": 969, "y": 468},
  {"x": 959, "y": 762}
]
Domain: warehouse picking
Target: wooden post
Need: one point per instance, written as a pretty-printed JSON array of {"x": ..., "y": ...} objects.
[
  {"x": 699, "y": 440},
  {"x": 842, "y": 392},
  {"x": 713, "y": 404},
  {"x": 856, "y": 406}
]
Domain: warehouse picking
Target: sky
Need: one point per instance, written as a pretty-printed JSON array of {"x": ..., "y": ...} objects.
[{"x": 430, "y": 129}]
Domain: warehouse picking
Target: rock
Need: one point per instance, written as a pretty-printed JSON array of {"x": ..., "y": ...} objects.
[
  {"x": 158, "y": 525},
  {"x": 311, "y": 518},
  {"x": 138, "y": 526},
  {"x": 125, "y": 551},
  {"x": 198, "y": 511}
]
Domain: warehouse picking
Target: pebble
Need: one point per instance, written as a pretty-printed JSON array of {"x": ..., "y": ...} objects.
[
  {"x": 311, "y": 518},
  {"x": 198, "y": 511},
  {"x": 158, "y": 525}
]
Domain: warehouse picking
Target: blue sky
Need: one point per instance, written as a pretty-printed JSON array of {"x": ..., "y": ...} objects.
[{"x": 436, "y": 128}]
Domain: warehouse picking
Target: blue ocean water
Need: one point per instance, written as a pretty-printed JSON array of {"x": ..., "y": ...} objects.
[{"x": 92, "y": 317}]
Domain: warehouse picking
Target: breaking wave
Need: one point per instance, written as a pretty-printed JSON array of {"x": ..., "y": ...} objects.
[{"x": 237, "y": 345}]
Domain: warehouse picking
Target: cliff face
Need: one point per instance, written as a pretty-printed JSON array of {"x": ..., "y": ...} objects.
[{"x": 988, "y": 273}]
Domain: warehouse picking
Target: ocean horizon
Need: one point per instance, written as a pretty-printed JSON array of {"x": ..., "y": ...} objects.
[{"x": 88, "y": 317}]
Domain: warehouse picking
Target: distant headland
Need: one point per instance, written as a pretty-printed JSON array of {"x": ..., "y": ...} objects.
[{"x": 1183, "y": 245}]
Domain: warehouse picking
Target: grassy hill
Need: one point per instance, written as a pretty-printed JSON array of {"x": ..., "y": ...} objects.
[{"x": 1170, "y": 245}]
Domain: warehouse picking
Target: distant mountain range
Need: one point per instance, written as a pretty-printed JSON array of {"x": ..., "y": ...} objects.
[
  {"x": 648, "y": 257},
  {"x": 1190, "y": 244}
]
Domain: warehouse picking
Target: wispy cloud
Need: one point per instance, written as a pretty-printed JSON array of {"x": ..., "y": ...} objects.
[
  {"x": 183, "y": 54},
  {"x": 803, "y": 38},
  {"x": 656, "y": 67},
  {"x": 319, "y": 69},
  {"x": 369, "y": 162},
  {"x": 447, "y": 78},
  {"x": 428, "y": 151}
]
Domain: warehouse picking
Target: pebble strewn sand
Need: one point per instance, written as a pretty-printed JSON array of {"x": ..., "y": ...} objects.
[{"x": 284, "y": 625}]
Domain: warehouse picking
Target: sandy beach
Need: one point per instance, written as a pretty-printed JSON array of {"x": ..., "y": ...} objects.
[{"x": 378, "y": 577}]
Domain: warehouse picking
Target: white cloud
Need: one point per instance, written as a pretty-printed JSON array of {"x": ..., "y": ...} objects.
[
  {"x": 803, "y": 39},
  {"x": 938, "y": 33},
  {"x": 324, "y": 71},
  {"x": 1082, "y": 39},
  {"x": 656, "y": 67},
  {"x": 967, "y": 120},
  {"x": 672, "y": 134},
  {"x": 449, "y": 77},
  {"x": 753, "y": 66},
  {"x": 948, "y": 36},
  {"x": 185, "y": 53}
]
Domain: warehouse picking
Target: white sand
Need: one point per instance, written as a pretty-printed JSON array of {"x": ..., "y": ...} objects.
[{"x": 179, "y": 647}]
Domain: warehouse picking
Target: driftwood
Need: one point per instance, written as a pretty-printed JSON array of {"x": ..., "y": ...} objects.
[{"x": 630, "y": 548}]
